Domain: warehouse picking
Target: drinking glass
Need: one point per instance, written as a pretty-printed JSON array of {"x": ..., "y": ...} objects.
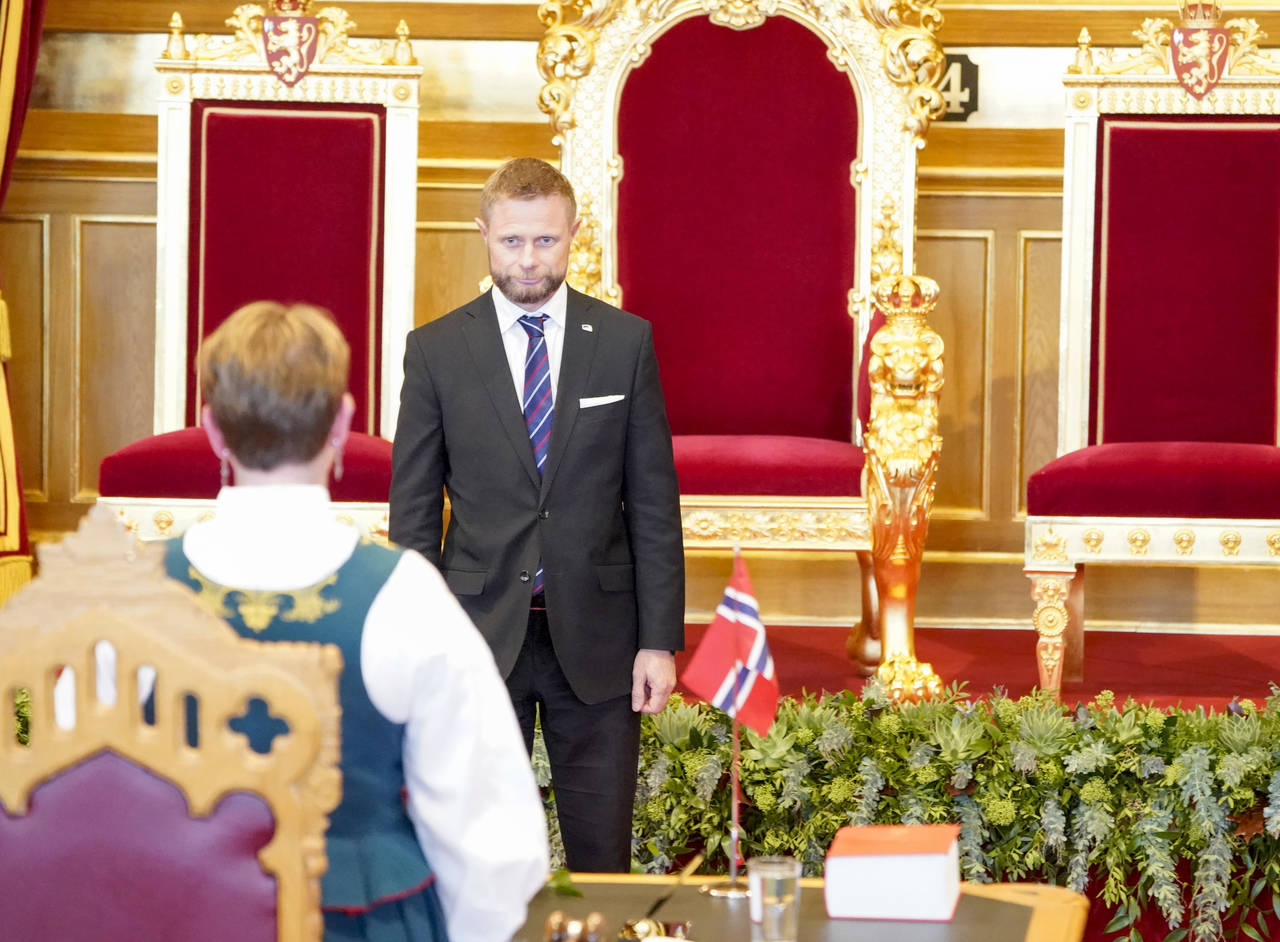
[{"x": 773, "y": 888}]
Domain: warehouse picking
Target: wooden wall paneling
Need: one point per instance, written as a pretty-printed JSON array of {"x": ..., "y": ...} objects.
[
  {"x": 451, "y": 261},
  {"x": 1039, "y": 270},
  {"x": 24, "y": 279},
  {"x": 961, "y": 261},
  {"x": 115, "y": 328}
]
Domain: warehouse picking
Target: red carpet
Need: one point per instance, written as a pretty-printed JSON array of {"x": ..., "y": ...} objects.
[{"x": 1164, "y": 669}]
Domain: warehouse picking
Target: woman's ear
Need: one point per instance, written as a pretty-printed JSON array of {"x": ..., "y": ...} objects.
[
  {"x": 341, "y": 427},
  {"x": 216, "y": 440}
]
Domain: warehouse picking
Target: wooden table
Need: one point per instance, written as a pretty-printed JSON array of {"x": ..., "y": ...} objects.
[{"x": 1006, "y": 912}]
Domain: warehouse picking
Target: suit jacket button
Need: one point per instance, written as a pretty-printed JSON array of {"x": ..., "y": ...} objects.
[
  {"x": 524, "y": 575},
  {"x": 543, "y": 514}
]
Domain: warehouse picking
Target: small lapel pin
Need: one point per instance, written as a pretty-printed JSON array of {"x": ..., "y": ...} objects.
[{"x": 588, "y": 328}]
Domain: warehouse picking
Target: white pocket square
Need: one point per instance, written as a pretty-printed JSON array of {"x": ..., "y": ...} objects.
[{"x": 589, "y": 401}]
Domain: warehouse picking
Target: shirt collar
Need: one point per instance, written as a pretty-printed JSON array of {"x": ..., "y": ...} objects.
[{"x": 509, "y": 313}]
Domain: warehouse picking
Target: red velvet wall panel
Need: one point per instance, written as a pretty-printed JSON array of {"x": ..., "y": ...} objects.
[
  {"x": 1187, "y": 268},
  {"x": 286, "y": 204},
  {"x": 736, "y": 226},
  {"x": 107, "y": 851}
]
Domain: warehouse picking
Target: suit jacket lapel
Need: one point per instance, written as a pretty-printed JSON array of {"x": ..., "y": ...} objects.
[
  {"x": 580, "y": 334},
  {"x": 485, "y": 343}
]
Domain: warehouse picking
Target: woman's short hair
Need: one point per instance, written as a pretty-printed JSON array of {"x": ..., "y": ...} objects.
[
  {"x": 526, "y": 178},
  {"x": 274, "y": 376}
]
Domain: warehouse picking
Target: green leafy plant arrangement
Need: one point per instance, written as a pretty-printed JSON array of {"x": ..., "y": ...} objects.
[{"x": 1141, "y": 807}]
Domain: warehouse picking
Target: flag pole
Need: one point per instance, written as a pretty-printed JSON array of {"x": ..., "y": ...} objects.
[{"x": 734, "y": 887}]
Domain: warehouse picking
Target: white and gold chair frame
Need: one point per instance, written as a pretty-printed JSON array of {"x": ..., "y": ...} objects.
[
  {"x": 345, "y": 71},
  {"x": 1102, "y": 84},
  {"x": 100, "y": 584},
  {"x": 890, "y": 53}
]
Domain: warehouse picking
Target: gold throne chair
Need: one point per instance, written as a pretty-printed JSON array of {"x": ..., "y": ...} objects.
[
  {"x": 287, "y": 170},
  {"x": 1169, "y": 415},
  {"x": 746, "y": 174}
]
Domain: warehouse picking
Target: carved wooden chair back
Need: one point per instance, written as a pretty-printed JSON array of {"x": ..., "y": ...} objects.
[{"x": 134, "y": 798}]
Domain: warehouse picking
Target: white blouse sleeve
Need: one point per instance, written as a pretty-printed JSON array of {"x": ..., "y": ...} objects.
[{"x": 472, "y": 795}]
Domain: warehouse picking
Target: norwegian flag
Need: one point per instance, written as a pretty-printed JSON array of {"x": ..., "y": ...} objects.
[{"x": 732, "y": 668}]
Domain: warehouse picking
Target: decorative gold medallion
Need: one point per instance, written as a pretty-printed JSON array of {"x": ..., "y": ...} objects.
[
  {"x": 1092, "y": 540},
  {"x": 1139, "y": 541},
  {"x": 1184, "y": 541},
  {"x": 1230, "y": 541}
]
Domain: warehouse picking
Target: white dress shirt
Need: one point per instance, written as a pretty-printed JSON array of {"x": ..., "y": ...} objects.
[
  {"x": 516, "y": 339},
  {"x": 471, "y": 793}
]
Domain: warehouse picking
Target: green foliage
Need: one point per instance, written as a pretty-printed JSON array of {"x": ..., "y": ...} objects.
[{"x": 1104, "y": 796}]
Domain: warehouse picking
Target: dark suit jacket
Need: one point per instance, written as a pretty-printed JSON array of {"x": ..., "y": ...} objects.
[{"x": 604, "y": 519}]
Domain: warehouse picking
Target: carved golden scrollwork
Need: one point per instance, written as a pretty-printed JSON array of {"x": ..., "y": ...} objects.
[
  {"x": 774, "y": 526},
  {"x": 1273, "y": 544},
  {"x": 913, "y": 57},
  {"x": 1050, "y": 547},
  {"x": 739, "y": 14},
  {"x": 567, "y": 53},
  {"x": 886, "y": 251},
  {"x": 1230, "y": 541},
  {"x": 334, "y": 45},
  {"x": 1155, "y": 56},
  {"x": 1184, "y": 541},
  {"x": 1050, "y": 621},
  {"x": 586, "y": 265}
]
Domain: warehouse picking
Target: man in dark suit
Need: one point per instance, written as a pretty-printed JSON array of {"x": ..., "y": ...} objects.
[{"x": 538, "y": 409}]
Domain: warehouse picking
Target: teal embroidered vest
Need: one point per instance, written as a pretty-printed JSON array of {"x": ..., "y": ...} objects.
[{"x": 374, "y": 855}]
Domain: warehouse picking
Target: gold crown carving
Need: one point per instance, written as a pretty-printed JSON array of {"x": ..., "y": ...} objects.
[
  {"x": 290, "y": 7},
  {"x": 1200, "y": 15},
  {"x": 912, "y": 296}
]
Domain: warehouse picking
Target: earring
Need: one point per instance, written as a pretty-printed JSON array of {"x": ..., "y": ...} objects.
[
  {"x": 224, "y": 468},
  {"x": 337, "y": 459}
]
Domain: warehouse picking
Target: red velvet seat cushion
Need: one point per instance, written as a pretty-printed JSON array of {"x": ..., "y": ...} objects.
[
  {"x": 1160, "y": 479},
  {"x": 181, "y": 464},
  {"x": 768, "y": 464},
  {"x": 107, "y": 851}
]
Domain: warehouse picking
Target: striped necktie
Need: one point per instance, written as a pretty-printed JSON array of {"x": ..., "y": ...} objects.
[{"x": 537, "y": 401}]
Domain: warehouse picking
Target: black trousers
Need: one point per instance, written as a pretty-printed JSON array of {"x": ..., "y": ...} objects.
[{"x": 594, "y": 751}]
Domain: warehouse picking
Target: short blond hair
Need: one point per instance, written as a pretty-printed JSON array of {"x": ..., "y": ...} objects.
[
  {"x": 526, "y": 178},
  {"x": 274, "y": 376}
]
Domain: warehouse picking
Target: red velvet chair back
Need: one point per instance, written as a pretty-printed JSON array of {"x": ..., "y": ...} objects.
[
  {"x": 1186, "y": 292},
  {"x": 287, "y": 204},
  {"x": 108, "y": 851},
  {"x": 736, "y": 227}
]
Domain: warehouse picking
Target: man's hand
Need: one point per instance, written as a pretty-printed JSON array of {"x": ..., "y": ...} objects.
[{"x": 653, "y": 677}]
